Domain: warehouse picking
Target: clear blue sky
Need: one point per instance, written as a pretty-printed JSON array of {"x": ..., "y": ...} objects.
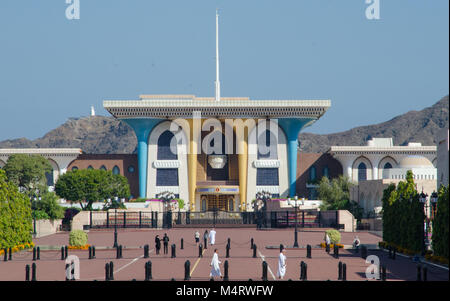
[{"x": 52, "y": 68}]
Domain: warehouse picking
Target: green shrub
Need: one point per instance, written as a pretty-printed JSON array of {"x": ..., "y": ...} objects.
[
  {"x": 40, "y": 214},
  {"x": 78, "y": 238},
  {"x": 335, "y": 236},
  {"x": 49, "y": 205}
]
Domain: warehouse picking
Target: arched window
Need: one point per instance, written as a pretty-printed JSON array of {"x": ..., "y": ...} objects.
[
  {"x": 103, "y": 167},
  {"x": 204, "y": 204},
  {"x": 326, "y": 172},
  {"x": 164, "y": 151},
  {"x": 267, "y": 150},
  {"x": 74, "y": 168},
  {"x": 50, "y": 180},
  {"x": 116, "y": 170},
  {"x": 90, "y": 167},
  {"x": 230, "y": 204},
  {"x": 362, "y": 172},
  {"x": 386, "y": 168},
  {"x": 312, "y": 173},
  {"x": 131, "y": 169}
]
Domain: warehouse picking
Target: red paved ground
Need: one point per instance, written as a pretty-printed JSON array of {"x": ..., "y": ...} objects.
[{"x": 242, "y": 266}]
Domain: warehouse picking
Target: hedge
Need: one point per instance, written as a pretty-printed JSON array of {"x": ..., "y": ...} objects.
[
  {"x": 440, "y": 224},
  {"x": 15, "y": 215}
]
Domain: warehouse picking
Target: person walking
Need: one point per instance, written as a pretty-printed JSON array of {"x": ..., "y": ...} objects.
[
  {"x": 157, "y": 244},
  {"x": 205, "y": 239},
  {"x": 281, "y": 264},
  {"x": 166, "y": 243},
  {"x": 212, "y": 237},
  {"x": 197, "y": 237},
  {"x": 215, "y": 268}
]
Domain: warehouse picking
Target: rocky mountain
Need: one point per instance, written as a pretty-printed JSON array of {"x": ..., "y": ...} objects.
[{"x": 106, "y": 135}]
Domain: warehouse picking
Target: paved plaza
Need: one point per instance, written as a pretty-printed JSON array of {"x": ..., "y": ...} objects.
[{"x": 242, "y": 265}]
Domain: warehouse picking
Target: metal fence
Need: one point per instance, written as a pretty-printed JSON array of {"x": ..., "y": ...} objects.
[{"x": 269, "y": 219}]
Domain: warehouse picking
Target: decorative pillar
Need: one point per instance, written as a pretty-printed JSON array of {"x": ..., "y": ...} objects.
[
  {"x": 242, "y": 161},
  {"x": 292, "y": 127},
  {"x": 194, "y": 143},
  {"x": 142, "y": 128}
]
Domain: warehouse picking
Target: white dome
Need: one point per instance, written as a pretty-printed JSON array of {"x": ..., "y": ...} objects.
[{"x": 415, "y": 162}]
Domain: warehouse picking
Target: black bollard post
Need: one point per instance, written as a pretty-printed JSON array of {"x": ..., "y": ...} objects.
[
  {"x": 173, "y": 251},
  {"x": 200, "y": 250},
  {"x": 33, "y": 272},
  {"x": 225, "y": 274},
  {"x": 107, "y": 272},
  {"x": 327, "y": 248},
  {"x": 10, "y": 253},
  {"x": 146, "y": 251},
  {"x": 425, "y": 273},
  {"x": 65, "y": 252},
  {"x": 344, "y": 272},
  {"x": 117, "y": 252},
  {"x": 62, "y": 253},
  {"x": 254, "y": 251},
  {"x": 38, "y": 256},
  {"x": 150, "y": 276},
  {"x": 301, "y": 269},
  {"x": 111, "y": 270},
  {"x": 308, "y": 251},
  {"x": 90, "y": 252},
  {"x": 264, "y": 271},
  {"x": 228, "y": 251},
  {"x": 305, "y": 271},
  {"x": 419, "y": 276},
  {"x": 336, "y": 251},
  {"x": 340, "y": 270},
  {"x": 27, "y": 272},
  {"x": 251, "y": 243},
  {"x": 34, "y": 254},
  {"x": 93, "y": 252},
  {"x": 187, "y": 270},
  {"x": 146, "y": 271},
  {"x": 182, "y": 247}
]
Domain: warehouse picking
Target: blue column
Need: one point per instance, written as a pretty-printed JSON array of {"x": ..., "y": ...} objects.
[
  {"x": 291, "y": 128},
  {"x": 142, "y": 128}
]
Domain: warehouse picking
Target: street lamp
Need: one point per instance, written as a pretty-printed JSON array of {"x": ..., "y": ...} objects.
[
  {"x": 116, "y": 245},
  {"x": 296, "y": 204},
  {"x": 167, "y": 197},
  {"x": 433, "y": 200},
  {"x": 423, "y": 200},
  {"x": 261, "y": 206}
]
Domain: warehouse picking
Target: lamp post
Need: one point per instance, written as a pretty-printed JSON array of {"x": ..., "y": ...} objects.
[
  {"x": 423, "y": 201},
  {"x": 261, "y": 206},
  {"x": 296, "y": 204},
  {"x": 115, "y": 229},
  {"x": 166, "y": 197}
]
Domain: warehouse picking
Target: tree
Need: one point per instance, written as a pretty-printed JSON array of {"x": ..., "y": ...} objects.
[
  {"x": 440, "y": 224},
  {"x": 87, "y": 186},
  {"x": 15, "y": 214},
  {"x": 336, "y": 195},
  {"x": 28, "y": 172},
  {"x": 47, "y": 207}
]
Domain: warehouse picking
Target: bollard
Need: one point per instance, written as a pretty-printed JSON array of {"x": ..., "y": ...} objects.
[
  {"x": 225, "y": 273},
  {"x": 111, "y": 270},
  {"x": 27, "y": 272},
  {"x": 10, "y": 253},
  {"x": 425, "y": 273},
  {"x": 187, "y": 270},
  {"x": 173, "y": 249},
  {"x": 65, "y": 252},
  {"x": 344, "y": 272},
  {"x": 327, "y": 248},
  {"x": 120, "y": 252},
  {"x": 34, "y": 254},
  {"x": 38, "y": 256},
  {"x": 251, "y": 243},
  {"x": 419, "y": 277},
  {"x": 93, "y": 252},
  {"x": 107, "y": 272},
  {"x": 33, "y": 272},
  {"x": 90, "y": 252},
  {"x": 305, "y": 271},
  {"x": 181, "y": 247},
  {"x": 62, "y": 253},
  {"x": 148, "y": 271},
  {"x": 200, "y": 250},
  {"x": 117, "y": 252},
  {"x": 336, "y": 251},
  {"x": 301, "y": 269},
  {"x": 146, "y": 251},
  {"x": 254, "y": 251},
  {"x": 340, "y": 270},
  {"x": 227, "y": 251},
  {"x": 308, "y": 251},
  {"x": 264, "y": 271}
]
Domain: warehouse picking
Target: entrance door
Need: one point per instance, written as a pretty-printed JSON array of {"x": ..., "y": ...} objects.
[{"x": 219, "y": 202}]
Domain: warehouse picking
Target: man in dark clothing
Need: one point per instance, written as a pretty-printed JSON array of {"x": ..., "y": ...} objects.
[
  {"x": 166, "y": 243},
  {"x": 205, "y": 239},
  {"x": 157, "y": 244}
]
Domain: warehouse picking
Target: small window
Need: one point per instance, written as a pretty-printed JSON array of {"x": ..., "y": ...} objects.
[
  {"x": 131, "y": 169},
  {"x": 204, "y": 204},
  {"x": 90, "y": 167},
  {"x": 362, "y": 172},
  {"x": 312, "y": 173},
  {"x": 326, "y": 172},
  {"x": 74, "y": 168},
  {"x": 116, "y": 170},
  {"x": 103, "y": 167}
]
